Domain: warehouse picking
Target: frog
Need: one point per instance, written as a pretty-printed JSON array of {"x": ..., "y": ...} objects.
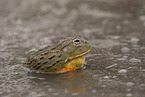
[{"x": 61, "y": 57}]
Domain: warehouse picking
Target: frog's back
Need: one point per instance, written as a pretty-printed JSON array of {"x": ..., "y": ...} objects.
[
  {"x": 48, "y": 59},
  {"x": 45, "y": 59}
]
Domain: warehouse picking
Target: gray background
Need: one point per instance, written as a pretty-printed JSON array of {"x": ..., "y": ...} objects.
[{"x": 115, "y": 67}]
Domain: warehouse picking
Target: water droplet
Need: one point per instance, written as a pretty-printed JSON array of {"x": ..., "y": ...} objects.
[
  {"x": 115, "y": 37},
  {"x": 106, "y": 76},
  {"x": 55, "y": 94},
  {"x": 125, "y": 49},
  {"x": 114, "y": 76},
  {"x": 143, "y": 85},
  {"x": 75, "y": 94},
  {"x": 50, "y": 90},
  {"x": 129, "y": 95},
  {"x": 123, "y": 58},
  {"x": 122, "y": 71},
  {"x": 94, "y": 91},
  {"x": 129, "y": 84},
  {"x": 103, "y": 85},
  {"x": 41, "y": 78},
  {"x": 134, "y": 40},
  {"x": 112, "y": 66},
  {"x": 128, "y": 90},
  {"x": 118, "y": 27},
  {"x": 134, "y": 60},
  {"x": 142, "y": 18}
]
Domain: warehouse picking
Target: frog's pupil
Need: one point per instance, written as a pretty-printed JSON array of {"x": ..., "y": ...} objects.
[{"x": 77, "y": 40}]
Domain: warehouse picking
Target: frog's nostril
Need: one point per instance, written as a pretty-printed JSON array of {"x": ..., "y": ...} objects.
[{"x": 86, "y": 42}]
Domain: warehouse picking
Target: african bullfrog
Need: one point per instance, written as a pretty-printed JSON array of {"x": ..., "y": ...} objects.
[{"x": 59, "y": 58}]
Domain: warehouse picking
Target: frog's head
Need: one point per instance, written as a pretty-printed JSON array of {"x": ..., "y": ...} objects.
[{"x": 75, "y": 47}]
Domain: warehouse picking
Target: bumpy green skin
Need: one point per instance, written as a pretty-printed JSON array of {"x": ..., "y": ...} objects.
[{"x": 51, "y": 59}]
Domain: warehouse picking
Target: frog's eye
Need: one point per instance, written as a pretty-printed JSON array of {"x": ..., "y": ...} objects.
[{"x": 77, "y": 41}]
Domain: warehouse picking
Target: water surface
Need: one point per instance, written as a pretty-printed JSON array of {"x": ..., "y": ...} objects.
[{"x": 115, "y": 67}]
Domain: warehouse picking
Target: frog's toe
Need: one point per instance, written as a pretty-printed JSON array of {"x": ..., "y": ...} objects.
[{"x": 31, "y": 52}]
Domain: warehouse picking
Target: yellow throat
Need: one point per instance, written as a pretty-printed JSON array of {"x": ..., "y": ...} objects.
[{"x": 74, "y": 64}]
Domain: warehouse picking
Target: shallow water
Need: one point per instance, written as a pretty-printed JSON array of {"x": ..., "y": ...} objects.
[{"x": 115, "y": 67}]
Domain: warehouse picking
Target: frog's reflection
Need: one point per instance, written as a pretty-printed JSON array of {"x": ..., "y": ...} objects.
[{"x": 74, "y": 81}]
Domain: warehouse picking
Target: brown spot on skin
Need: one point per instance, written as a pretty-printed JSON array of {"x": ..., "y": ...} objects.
[
  {"x": 52, "y": 64},
  {"x": 30, "y": 61},
  {"x": 39, "y": 63},
  {"x": 51, "y": 57},
  {"x": 41, "y": 57},
  {"x": 38, "y": 67},
  {"x": 45, "y": 62},
  {"x": 45, "y": 53}
]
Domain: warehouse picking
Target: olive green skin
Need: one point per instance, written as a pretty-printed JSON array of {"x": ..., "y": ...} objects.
[{"x": 52, "y": 59}]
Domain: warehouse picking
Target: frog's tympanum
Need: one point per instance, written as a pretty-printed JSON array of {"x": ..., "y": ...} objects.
[{"x": 59, "y": 58}]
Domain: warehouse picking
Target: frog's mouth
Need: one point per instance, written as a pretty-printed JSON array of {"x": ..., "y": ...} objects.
[{"x": 78, "y": 55}]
